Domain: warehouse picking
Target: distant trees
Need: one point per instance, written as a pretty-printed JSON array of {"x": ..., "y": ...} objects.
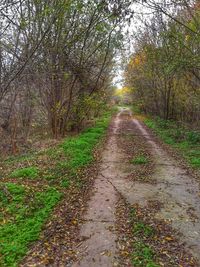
[{"x": 164, "y": 71}]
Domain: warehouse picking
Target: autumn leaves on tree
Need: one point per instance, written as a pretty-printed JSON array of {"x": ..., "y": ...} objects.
[{"x": 164, "y": 72}]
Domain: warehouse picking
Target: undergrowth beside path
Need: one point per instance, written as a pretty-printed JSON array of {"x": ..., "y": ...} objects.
[
  {"x": 181, "y": 138},
  {"x": 185, "y": 140},
  {"x": 32, "y": 186}
]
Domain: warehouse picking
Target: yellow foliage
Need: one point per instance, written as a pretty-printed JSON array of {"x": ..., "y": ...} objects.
[
  {"x": 122, "y": 91},
  {"x": 187, "y": 37},
  {"x": 138, "y": 59}
]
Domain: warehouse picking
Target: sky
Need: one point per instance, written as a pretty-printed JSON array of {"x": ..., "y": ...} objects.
[{"x": 129, "y": 31}]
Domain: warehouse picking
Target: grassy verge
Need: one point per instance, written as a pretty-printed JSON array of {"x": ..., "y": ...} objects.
[
  {"x": 24, "y": 212},
  {"x": 179, "y": 136},
  {"x": 31, "y": 187},
  {"x": 185, "y": 140},
  {"x": 57, "y": 165}
]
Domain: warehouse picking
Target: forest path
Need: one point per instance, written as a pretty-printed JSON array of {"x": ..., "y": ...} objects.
[{"x": 177, "y": 193}]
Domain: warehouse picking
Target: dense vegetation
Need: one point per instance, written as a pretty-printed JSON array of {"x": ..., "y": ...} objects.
[
  {"x": 182, "y": 138},
  {"x": 56, "y": 63},
  {"x": 164, "y": 72},
  {"x": 25, "y": 206}
]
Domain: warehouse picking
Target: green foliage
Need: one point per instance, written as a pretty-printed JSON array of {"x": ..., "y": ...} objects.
[
  {"x": 162, "y": 72},
  {"x": 141, "y": 228},
  {"x": 24, "y": 212},
  {"x": 20, "y": 158},
  {"x": 136, "y": 109},
  {"x": 74, "y": 154},
  {"x": 193, "y": 137},
  {"x": 67, "y": 158},
  {"x": 26, "y": 208},
  {"x": 140, "y": 160},
  {"x": 29, "y": 172},
  {"x": 195, "y": 161},
  {"x": 143, "y": 255},
  {"x": 150, "y": 123},
  {"x": 65, "y": 183},
  {"x": 187, "y": 142},
  {"x": 9, "y": 191},
  {"x": 79, "y": 149}
]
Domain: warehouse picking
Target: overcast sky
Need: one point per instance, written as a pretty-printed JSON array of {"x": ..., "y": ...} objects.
[{"x": 129, "y": 32}]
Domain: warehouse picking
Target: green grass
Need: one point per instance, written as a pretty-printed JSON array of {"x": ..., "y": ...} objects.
[
  {"x": 183, "y": 139},
  {"x": 25, "y": 208},
  {"x": 140, "y": 160},
  {"x": 143, "y": 255},
  {"x": 135, "y": 109},
  {"x": 62, "y": 161},
  {"x": 24, "y": 213},
  {"x": 79, "y": 150},
  {"x": 65, "y": 183},
  {"x": 195, "y": 162},
  {"x": 141, "y": 228},
  {"x": 19, "y": 158},
  {"x": 28, "y": 172}
]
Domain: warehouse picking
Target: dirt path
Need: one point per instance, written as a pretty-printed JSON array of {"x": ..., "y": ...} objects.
[
  {"x": 177, "y": 192},
  {"x": 98, "y": 231}
]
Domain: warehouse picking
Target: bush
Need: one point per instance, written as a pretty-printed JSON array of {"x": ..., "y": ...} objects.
[{"x": 193, "y": 137}]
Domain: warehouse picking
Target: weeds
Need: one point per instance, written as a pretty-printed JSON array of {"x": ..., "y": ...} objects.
[
  {"x": 142, "y": 254},
  {"x": 73, "y": 154},
  {"x": 24, "y": 214},
  {"x": 140, "y": 160},
  {"x": 25, "y": 208},
  {"x": 141, "y": 228},
  {"x": 186, "y": 141},
  {"x": 28, "y": 172},
  {"x": 65, "y": 183}
]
